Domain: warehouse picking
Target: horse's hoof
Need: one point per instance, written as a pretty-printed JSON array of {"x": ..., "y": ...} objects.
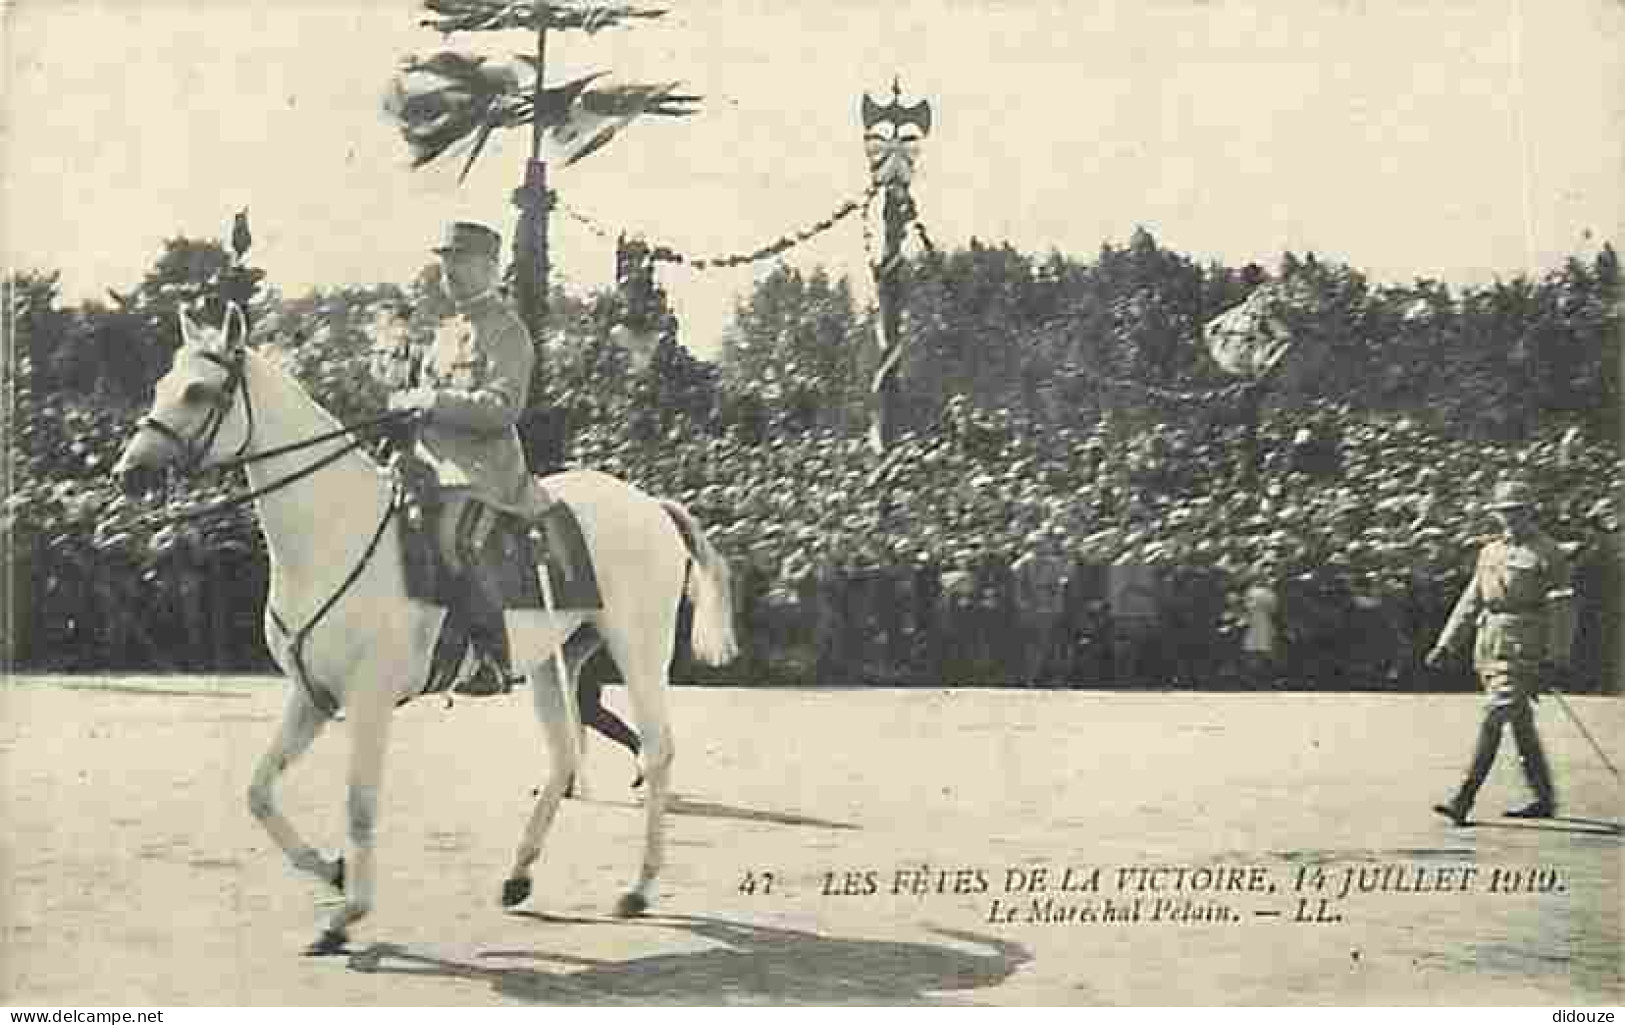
[
  {"x": 337, "y": 882},
  {"x": 330, "y": 942},
  {"x": 631, "y": 905},
  {"x": 515, "y": 892}
]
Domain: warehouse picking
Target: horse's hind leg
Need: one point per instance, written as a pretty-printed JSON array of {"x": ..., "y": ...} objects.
[
  {"x": 644, "y": 668},
  {"x": 564, "y": 754},
  {"x": 658, "y": 753},
  {"x": 301, "y": 723}
]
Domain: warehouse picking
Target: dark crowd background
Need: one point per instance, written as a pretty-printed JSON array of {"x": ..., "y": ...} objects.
[{"x": 1059, "y": 413}]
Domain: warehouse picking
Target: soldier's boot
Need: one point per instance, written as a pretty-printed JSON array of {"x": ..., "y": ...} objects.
[
  {"x": 1489, "y": 742},
  {"x": 488, "y": 632},
  {"x": 1536, "y": 770}
]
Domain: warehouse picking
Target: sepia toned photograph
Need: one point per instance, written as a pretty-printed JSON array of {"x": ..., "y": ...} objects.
[{"x": 995, "y": 503}]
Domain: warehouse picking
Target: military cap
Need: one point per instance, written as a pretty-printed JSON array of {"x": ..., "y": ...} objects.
[{"x": 468, "y": 237}]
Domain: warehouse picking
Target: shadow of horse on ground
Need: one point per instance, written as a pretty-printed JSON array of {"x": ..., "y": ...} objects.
[
  {"x": 680, "y": 805},
  {"x": 750, "y": 964},
  {"x": 155, "y": 691}
]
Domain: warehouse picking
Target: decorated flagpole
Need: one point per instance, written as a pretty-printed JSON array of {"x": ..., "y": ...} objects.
[
  {"x": 452, "y": 97},
  {"x": 534, "y": 202},
  {"x": 891, "y": 137},
  {"x": 889, "y": 298},
  {"x": 543, "y": 430}
]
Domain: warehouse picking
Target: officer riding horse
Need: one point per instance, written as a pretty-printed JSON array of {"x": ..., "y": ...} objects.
[
  {"x": 468, "y": 395},
  {"x": 341, "y": 618}
]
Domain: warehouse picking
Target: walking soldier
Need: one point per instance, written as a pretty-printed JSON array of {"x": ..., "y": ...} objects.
[{"x": 1520, "y": 599}]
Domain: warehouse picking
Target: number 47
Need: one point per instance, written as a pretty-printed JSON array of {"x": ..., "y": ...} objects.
[{"x": 756, "y": 882}]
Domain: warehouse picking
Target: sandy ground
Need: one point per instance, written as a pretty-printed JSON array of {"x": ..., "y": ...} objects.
[{"x": 894, "y": 837}]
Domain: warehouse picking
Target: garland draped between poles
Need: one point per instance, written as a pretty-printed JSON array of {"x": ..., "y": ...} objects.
[{"x": 661, "y": 253}]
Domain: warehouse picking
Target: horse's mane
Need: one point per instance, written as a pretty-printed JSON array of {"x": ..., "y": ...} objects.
[{"x": 273, "y": 359}]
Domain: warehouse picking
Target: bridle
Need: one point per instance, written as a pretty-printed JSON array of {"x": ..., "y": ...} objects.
[{"x": 195, "y": 447}]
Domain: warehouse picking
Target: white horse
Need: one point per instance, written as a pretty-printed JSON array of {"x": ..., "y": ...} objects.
[{"x": 340, "y": 624}]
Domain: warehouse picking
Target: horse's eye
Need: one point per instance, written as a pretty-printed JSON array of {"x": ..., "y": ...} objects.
[{"x": 196, "y": 392}]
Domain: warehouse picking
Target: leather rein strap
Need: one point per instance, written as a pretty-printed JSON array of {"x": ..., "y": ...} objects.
[
  {"x": 320, "y": 696},
  {"x": 195, "y": 449}
]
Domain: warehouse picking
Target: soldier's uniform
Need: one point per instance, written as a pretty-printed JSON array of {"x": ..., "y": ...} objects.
[
  {"x": 476, "y": 376},
  {"x": 1520, "y": 601},
  {"x": 473, "y": 387}
]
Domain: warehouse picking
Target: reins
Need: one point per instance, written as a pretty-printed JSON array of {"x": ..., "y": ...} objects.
[
  {"x": 194, "y": 453},
  {"x": 190, "y": 447},
  {"x": 321, "y": 697},
  {"x": 195, "y": 448},
  {"x": 363, "y": 432}
]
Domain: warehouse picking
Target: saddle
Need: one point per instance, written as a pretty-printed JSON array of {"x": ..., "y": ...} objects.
[
  {"x": 510, "y": 548},
  {"x": 525, "y": 558}
]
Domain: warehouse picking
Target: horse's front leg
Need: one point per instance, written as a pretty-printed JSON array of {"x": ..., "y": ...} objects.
[
  {"x": 369, "y": 738},
  {"x": 301, "y": 723}
]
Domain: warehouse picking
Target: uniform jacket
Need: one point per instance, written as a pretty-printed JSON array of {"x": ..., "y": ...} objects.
[
  {"x": 478, "y": 370},
  {"x": 1520, "y": 599}
]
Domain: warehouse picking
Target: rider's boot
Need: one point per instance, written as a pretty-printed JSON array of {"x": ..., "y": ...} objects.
[{"x": 488, "y": 631}]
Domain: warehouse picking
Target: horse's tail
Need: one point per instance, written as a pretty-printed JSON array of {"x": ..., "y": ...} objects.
[{"x": 711, "y": 589}]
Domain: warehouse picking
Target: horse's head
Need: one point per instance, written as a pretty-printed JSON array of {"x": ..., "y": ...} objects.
[{"x": 200, "y": 412}]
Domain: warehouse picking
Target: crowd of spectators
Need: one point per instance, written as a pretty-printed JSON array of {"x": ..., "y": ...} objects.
[
  {"x": 1325, "y": 549},
  {"x": 1362, "y": 528}
]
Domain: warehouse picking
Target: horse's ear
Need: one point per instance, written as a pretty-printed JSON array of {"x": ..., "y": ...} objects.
[
  {"x": 238, "y": 337},
  {"x": 188, "y": 329}
]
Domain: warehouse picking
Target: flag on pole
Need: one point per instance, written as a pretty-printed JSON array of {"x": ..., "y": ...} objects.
[
  {"x": 450, "y": 99},
  {"x": 1249, "y": 339},
  {"x": 591, "y": 16},
  {"x": 892, "y": 158},
  {"x": 596, "y": 115}
]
